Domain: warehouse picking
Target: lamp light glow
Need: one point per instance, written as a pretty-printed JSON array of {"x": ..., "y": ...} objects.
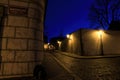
[
  {"x": 100, "y": 32},
  {"x": 59, "y": 42},
  {"x": 68, "y": 36}
]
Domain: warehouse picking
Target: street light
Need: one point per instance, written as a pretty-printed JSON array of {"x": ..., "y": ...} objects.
[
  {"x": 69, "y": 36},
  {"x": 59, "y": 44},
  {"x": 101, "y": 44},
  {"x": 100, "y": 32}
]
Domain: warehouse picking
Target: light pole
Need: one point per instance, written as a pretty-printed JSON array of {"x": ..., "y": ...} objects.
[
  {"x": 101, "y": 43},
  {"x": 59, "y": 44}
]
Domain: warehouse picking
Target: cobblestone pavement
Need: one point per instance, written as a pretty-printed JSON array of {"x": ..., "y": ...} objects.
[
  {"x": 85, "y": 68},
  {"x": 54, "y": 70},
  {"x": 92, "y": 68}
]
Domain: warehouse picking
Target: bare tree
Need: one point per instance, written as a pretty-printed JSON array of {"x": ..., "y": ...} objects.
[{"x": 103, "y": 12}]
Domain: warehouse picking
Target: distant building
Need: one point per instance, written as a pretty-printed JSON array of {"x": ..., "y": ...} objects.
[
  {"x": 21, "y": 36},
  {"x": 55, "y": 41}
]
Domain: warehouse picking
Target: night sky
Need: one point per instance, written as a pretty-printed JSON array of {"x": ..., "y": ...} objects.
[{"x": 66, "y": 16}]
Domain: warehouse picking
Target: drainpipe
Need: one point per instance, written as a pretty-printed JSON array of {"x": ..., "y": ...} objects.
[{"x": 81, "y": 43}]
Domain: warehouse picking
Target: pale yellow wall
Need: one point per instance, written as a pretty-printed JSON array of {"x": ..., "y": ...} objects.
[{"x": 91, "y": 42}]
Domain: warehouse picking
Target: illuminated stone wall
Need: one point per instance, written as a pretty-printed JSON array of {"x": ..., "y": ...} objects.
[
  {"x": 21, "y": 36},
  {"x": 92, "y": 43}
]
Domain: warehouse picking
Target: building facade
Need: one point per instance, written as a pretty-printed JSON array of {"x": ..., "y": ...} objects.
[
  {"x": 87, "y": 42},
  {"x": 21, "y": 36}
]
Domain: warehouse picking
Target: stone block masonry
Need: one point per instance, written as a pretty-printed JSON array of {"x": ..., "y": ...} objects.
[{"x": 21, "y": 38}]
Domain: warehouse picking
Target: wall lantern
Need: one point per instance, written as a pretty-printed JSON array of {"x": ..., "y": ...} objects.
[
  {"x": 68, "y": 36},
  {"x": 59, "y": 42},
  {"x": 100, "y": 32}
]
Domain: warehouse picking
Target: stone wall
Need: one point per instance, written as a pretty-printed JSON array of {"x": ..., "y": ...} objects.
[
  {"x": 21, "y": 36},
  {"x": 92, "y": 42}
]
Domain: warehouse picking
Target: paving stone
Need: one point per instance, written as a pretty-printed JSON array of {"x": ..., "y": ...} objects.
[{"x": 93, "y": 69}]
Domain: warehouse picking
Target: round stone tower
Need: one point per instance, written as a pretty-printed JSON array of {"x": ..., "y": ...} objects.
[{"x": 21, "y": 36}]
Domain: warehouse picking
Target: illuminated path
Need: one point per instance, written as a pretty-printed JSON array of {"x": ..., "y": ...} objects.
[{"x": 92, "y": 68}]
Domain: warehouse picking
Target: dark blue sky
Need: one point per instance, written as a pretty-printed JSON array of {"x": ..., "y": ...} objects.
[{"x": 66, "y": 16}]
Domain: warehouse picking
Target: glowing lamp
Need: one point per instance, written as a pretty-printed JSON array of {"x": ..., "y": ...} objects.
[
  {"x": 68, "y": 36},
  {"x": 58, "y": 42},
  {"x": 100, "y": 32}
]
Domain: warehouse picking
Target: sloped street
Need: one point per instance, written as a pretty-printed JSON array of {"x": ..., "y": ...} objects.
[{"x": 91, "y": 68}]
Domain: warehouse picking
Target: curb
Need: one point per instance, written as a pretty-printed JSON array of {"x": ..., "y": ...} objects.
[{"x": 87, "y": 57}]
